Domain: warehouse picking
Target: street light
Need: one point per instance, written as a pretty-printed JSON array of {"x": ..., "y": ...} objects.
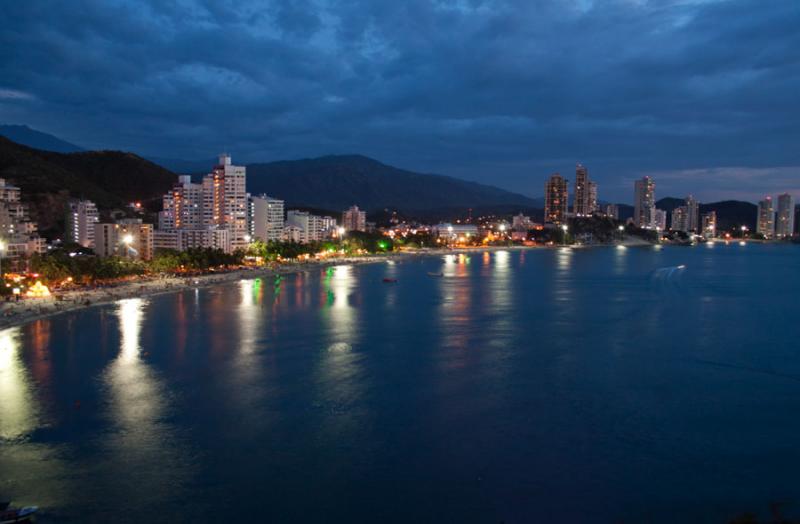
[
  {"x": 564, "y": 228},
  {"x": 247, "y": 238},
  {"x": 128, "y": 239}
]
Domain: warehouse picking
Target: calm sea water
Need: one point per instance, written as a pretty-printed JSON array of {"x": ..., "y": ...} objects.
[{"x": 600, "y": 385}]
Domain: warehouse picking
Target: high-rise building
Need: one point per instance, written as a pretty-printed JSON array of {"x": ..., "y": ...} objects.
[
  {"x": 585, "y": 197},
  {"x": 784, "y": 223},
  {"x": 592, "y": 206},
  {"x": 692, "y": 215},
  {"x": 225, "y": 200},
  {"x": 267, "y": 217},
  {"x": 18, "y": 232},
  {"x": 644, "y": 203},
  {"x": 354, "y": 219},
  {"x": 182, "y": 206},
  {"x": 765, "y": 224},
  {"x": 680, "y": 219},
  {"x": 128, "y": 238},
  {"x": 81, "y": 217},
  {"x": 659, "y": 220},
  {"x": 580, "y": 204},
  {"x": 555, "y": 199},
  {"x": 709, "y": 224}
]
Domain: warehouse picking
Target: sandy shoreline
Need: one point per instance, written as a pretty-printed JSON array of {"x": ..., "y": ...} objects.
[{"x": 18, "y": 313}]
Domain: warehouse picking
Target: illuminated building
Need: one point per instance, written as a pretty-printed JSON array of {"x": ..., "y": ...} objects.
[
  {"x": 354, "y": 219},
  {"x": 81, "y": 217},
  {"x": 680, "y": 219},
  {"x": 183, "y": 239},
  {"x": 644, "y": 203},
  {"x": 225, "y": 202},
  {"x": 521, "y": 223},
  {"x": 612, "y": 211},
  {"x": 454, "y": 232},
  {"x": 267, "y": 217},
  {"x": 692, "y": 214},
  {"x": 585, "y": 203},
  {"x": 18, "y": 232},
  {"x": 709, "y": 224},
  {"x": 784, "y": 223},
  {"x": 659, "y": 221},
  {"x": 128, "y": 238},
  {"x": 182, "y": 206},
  {"x": 765, "y": 224},
  {"x": 310, "y": 226},
  {"x": 555, "y": 199}
]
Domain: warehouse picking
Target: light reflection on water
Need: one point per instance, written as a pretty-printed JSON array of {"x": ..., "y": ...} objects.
[
  {"x": 494, "y": 392},
  {"x": 18, "y": 410}
]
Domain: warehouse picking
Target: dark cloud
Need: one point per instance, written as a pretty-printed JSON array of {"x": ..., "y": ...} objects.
[{"x": 704, "y": 93}]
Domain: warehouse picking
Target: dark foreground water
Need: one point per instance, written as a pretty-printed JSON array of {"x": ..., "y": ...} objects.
[{"x": 601, "y": 385}]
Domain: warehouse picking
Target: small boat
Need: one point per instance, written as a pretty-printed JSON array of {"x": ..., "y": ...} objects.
[
  {"x": 11, "y": 515},
  {"x": 432, "y": 274},
  {"x": 390, "y": 280}
]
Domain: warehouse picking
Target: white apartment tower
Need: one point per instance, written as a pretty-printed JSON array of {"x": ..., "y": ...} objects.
[
  {"x": 267, "y": 218},
  {"x": 225, "y": 200},
  {"x": 81, "y": 218}
]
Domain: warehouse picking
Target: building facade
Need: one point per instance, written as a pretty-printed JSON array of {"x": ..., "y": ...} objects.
[
  {"x": 267, "y": 217},
  {"x": 709, "y": 224},
  {"x": 182, "y": 206},
  {"x": 644, "y": 203},
  {"x": 200, "y": 238},
  {"x": 18, "y": 233},
  {"x": 692, "y": 215},
  {"x": 225, "y": 201},
  {"x": 354, "y": 219},
  {"x": 784, "y": 222},
  {"x": 581, "y": 205},
  {"x": 765, "y": 223},
  {"x": 81, "y": 218},
  {"x": 128, "y": 238},
  {"x": 310, "y": 226},
  {"x": 556, "y": 195}
]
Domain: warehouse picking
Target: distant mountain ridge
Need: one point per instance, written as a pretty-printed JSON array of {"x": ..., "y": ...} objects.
[
  {"x": 26, "y": 136},
  {"x": 109, "y": 178},
  {"x": 730, "y": 213},
  {"x": 339, "y": 181}
]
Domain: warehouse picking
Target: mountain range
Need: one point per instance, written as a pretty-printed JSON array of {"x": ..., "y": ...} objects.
[
  {"x": 109, "y": 178},
  {"x": 50, "y": 170}
]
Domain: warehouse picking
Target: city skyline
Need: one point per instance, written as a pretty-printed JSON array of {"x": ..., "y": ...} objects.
[{"x": 699, "y": 92}]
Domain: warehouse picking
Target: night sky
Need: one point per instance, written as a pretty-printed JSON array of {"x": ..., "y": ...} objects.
[{"x": 704, "y": 95}]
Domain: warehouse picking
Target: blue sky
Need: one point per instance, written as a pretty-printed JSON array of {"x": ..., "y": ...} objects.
[{"x": 703, "y": 95}]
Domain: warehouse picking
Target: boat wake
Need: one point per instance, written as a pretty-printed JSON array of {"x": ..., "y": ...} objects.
[{"x": 668, "y": 279}]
